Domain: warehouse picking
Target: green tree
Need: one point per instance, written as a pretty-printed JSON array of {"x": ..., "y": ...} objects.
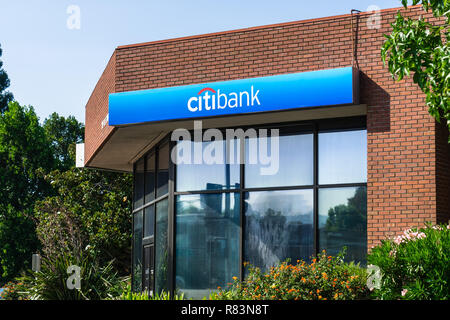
[
  {"x": 91, "y": 210},
  {"x": 24, "y": 151},
  {"x": 64, "y": 133},
  {"x": 5, "y": 96},
  {"x": 421, "y": 47},
  {"x": 17, "y": 241}
]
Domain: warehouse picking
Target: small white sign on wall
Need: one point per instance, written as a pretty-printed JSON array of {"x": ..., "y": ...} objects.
[{"x": 79, "y": 156}]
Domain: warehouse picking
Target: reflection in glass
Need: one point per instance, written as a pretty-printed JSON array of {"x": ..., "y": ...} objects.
[
  {"x": 343, "y": 157},
  {"x": 150, "y": 178},
  {"x": 163, "y": 171},
  {"x": 161, "y": 256},
  {"x": 213, "y": 175},
  {"x": 149, "y": 221},
  {"x": 295, "y": 160},
  {"x": 278, "y": 225},
  {"x": 207, "y": 242},
  {"x": 137, "y": 251},
  {"x": 343, "y": 221},
  {"x": 139, "y": 184}
]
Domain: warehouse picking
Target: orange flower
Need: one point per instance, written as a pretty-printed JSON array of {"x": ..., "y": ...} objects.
[{"x": 234, "y": 278}]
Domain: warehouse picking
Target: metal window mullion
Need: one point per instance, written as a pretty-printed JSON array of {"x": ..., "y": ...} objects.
[
  {"x": 171, "y": 225},
  {"x": 316, "y": 189},
  {"x": 241, "y": 210},
  {"x": 155, "y": 214},
  {"x": 151, "y": 202}
]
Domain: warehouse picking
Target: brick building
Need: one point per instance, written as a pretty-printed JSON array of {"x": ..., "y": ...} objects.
[{"x": 355, "y": 167}]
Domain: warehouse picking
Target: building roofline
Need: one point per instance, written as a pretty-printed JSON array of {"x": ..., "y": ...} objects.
[{"x": 268, "y": 26}]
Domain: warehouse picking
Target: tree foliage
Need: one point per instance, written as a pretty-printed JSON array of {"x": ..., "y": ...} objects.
[
  {"x": 64, "y": 133},
  {"x": 5, "y": 96},
  {"x": 24, "y": 150},
  {"x": 91, "y": 209},
  {"x": 17, "y": 241},
  {"x": 421, "y": 47},
  {"x": 45, "y": 203}
]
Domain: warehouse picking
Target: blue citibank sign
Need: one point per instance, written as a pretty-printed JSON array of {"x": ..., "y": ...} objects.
[{"x": 330, "y": 87}]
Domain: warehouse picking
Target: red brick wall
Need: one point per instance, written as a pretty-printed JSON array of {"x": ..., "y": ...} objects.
[
  {"x": 402, "y": 143},
  {"x": 97, "y": 110}
]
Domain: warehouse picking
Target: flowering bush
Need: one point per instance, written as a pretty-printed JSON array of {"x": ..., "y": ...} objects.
[
  {"x": 325, "y": 278},
  {"x": 414, "y": 265},
  {"x": 12, "y": 291}
]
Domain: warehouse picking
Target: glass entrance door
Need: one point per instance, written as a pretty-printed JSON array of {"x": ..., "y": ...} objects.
[{"x": 149, "y": 268}]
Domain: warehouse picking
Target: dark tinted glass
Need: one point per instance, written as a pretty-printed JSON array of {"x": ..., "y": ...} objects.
[
  {"x": 343, "y": 221},
  {"x": 343, "y": 157},
  {"x": 207, "y": 242},
  {"x": 137, "y": 251},
  {"x": 278, "y": 225},
  {"x": 163, "y": 170},
  {"x": 150, "y": 178},
  {"x": 149, "y": 221},
  {"x": 161, "y": 245},
  {"x": 293, "y": 159},
  {"x": 139, "y": 184},
  {"x": 209, "y": 175}
]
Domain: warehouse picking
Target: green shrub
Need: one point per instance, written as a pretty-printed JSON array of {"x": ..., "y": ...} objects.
[
  {"x": 325, "y": 278},
  {"x": 414, "y": 265},
  {"x": 128, "y": 294},
  {"x": 50, "y": 283}
]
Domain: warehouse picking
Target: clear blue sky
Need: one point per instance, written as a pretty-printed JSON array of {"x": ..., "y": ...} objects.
[{"x": 55, "y": 68}]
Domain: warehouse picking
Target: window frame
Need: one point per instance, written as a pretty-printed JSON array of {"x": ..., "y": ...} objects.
[{"x": 308, "y": 126}]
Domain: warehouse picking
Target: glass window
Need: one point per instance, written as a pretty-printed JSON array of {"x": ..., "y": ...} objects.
[
  {"x": 343, "y": 157},
  {"x": 149, "y": 221},
  {"x": 278, "y": 225},
  {"x": 137, "y": 251},
  {"x": 150, "y": 178},
  {"x": 343, "y": 221},
  {"x": 161, "y": 257},
  {"x": 207, "y": 242},
  {"x": 139, "y": 184},
  {"x": 293, "y": 160},
  {"x": 212, "y": 173},
  {"x": 163, "y": 171}
]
